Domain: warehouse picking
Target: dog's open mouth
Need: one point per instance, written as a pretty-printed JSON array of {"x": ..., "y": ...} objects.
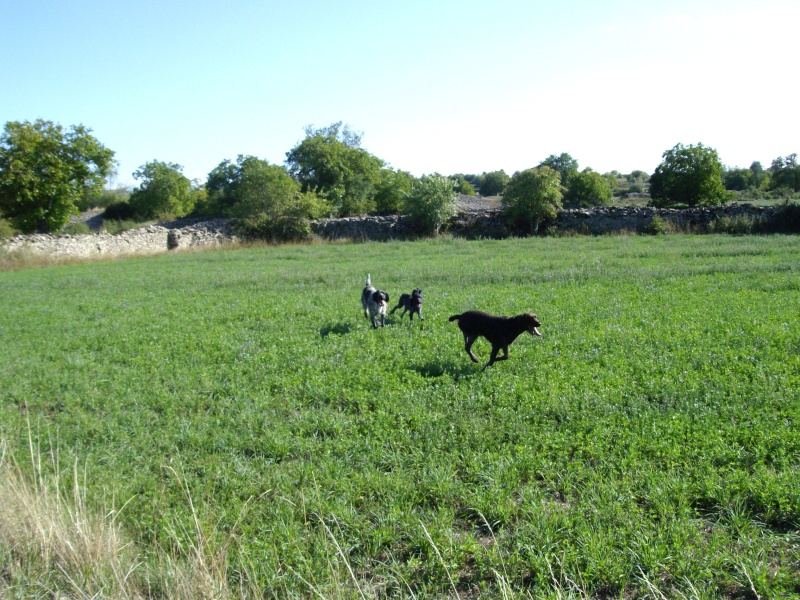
[{"x": 535, "y": 331}]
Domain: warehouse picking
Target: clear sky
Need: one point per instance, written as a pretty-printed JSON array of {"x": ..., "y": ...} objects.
[{"x": 444, "y": 86}]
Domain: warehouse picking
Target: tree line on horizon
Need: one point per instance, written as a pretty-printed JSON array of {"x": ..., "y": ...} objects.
[{"x": 49, "y": 173}]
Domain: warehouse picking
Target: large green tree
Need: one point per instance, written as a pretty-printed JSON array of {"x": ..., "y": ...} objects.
[
  {"x": 690, "y": 175},
  {"x": 263, "y": 197},
  {"x": 391, "y": 191},
  {"x": 330, "y": 162},
  {"x": 588, "y": 188},
  {"x": 784, "y": 173},
  {"x": 431, "y": 202},
  {"x": 164, "y": 192},
  {"x": 493, "y": 183},
  {"x": 45, "y": 171},
  {"x": 563, "y": 163},
  {"x": 531, "y": 197}
]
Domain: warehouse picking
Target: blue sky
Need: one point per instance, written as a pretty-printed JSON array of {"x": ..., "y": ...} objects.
[{"x": 435, "y": 86}]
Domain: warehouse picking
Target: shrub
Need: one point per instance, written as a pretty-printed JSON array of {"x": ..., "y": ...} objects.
[
  {"x": 531, "y": 197},
  {"x": 284, "y": 229},
  {"x": 431, "y": 202},
  {"x": 787, "y": 218},
  {"x": 76, "y": 228},
  {"x": 117, "y": 226},
  {"x": 6, "y": 230},
  {"x": 657, "y": 226},
  {"x": 119, "y": 211}
]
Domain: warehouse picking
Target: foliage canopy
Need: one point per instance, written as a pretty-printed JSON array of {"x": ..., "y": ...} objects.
[
  {"x": 330, "y": 162},
  {"x": 493, "y": 183},
  {"x": 165, "y": 192},
  {"x": 431, "y": 202},
  {"x": 532, "y": 196},
  {"x": 263, "y": 196},
  {"x": 45, "y": 172},
  {"x": 690, "y": 175},
  {"x": 563, "y": 163},
  {"x": 588, "y": 188}
]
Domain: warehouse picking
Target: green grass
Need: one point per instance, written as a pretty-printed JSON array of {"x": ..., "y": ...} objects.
[{"x": 647, "y": 446}]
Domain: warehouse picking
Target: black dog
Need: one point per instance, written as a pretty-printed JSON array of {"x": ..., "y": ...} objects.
[
  {"x": 411, "y": 304},
  {"x": 375, "y": 302},
  {"x": 500, "y": 331}
]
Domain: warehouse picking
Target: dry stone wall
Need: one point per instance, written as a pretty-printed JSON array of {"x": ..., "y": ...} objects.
[
  {"x": 187, "y": 233},
  {"x": 591, "y": 221},
  {"x": 147, "y": 240}
]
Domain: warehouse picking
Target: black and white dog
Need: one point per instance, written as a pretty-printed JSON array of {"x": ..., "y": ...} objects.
[
  {"x": 375, "y": 302},
  {"x": 410, "y": 303}
]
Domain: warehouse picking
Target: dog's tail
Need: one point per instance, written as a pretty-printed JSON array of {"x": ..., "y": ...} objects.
[
  {"x": 454, "y": 318},
  {"x": 369, "y": 283}
]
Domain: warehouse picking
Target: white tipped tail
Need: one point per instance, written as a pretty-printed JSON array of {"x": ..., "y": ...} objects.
[{"x": 368, "y": 281}]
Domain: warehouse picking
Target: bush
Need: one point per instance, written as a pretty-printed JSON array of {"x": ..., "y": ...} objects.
[
  {"x": 76, "y": 228},
  {"x": 431, "y": 202},
  {"x": 117, "y": 226},
  {"x": 119, "y": 211},
  {"x": 787, "y": 218},
  {"x": 531, "y": 197},
  {"x": 738, "y": 224},
  {"x": 6, "y": 230},
  {"x": 286, "y": 228},
  {"x": 657, "y": 226}
]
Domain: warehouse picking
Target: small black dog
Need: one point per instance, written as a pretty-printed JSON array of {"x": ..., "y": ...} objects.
[
  {"x": 374, "y": 302},
  {"x": 410, "y": 303}
]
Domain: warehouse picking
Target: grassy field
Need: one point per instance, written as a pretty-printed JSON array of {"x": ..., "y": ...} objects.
[{"x": 236, "y": 408}]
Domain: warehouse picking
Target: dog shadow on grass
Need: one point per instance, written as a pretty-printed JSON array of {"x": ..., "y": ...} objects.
[
  {"x": 335, "y": 329},
  {"x": 457, "y": 371}
]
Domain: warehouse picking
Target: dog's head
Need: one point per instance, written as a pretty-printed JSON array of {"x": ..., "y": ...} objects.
[
  {"x": 417, "y": 292},
  {"x": 531, "y": 322},
  {"x": 380, "y": 297}
]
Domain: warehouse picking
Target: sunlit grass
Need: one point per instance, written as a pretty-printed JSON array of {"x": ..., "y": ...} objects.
[{"x": 646, "y": 445}]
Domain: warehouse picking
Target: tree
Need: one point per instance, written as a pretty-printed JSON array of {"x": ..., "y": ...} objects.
[
  {"x": 392, "y": 188},
  {"x": 165, "y": 192},
  {"x": 737, "y": 179},
  {"x": 563, "y": 163},
  {"x": 461, "y": 185},
  {"x": 46, "y": 171},
  {"x": 493, "y": 183},
  {"x": 784, "y": 173},
  {"x": 531, "y": 197},
  {"x": 588, "y": 188},
  {"x": 759, "y": 176},
  {"x": 263, "y": 197},
  {"x": 690, "y": 175},
  {"x": 330, "y": 162},
  {"x": 431, "y": 202}
]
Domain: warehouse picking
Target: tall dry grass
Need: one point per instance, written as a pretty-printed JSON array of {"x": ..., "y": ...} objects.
[{"x": 55, "y": 544}]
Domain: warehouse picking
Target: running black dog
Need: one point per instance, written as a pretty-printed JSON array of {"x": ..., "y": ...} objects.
[
  {"x": 500, "y": 331},
  {"x": 411, "y": 304}
]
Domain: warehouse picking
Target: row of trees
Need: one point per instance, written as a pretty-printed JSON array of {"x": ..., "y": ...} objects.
[{"x": 48, "y": 173}]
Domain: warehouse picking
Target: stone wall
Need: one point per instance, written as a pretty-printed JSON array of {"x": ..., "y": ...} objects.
[
  {"x": 147, "y": 240},
  {"x": 590, "y": 221},
  {"x": 187, "y": 233}
]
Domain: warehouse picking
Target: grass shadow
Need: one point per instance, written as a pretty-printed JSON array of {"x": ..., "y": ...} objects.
[
  {"x": 335, "y": 328},
  {"x": 457, "y": 371}
]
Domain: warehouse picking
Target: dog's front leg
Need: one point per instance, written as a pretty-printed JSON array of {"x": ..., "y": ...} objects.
[{"x": 468, "y": 341}]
